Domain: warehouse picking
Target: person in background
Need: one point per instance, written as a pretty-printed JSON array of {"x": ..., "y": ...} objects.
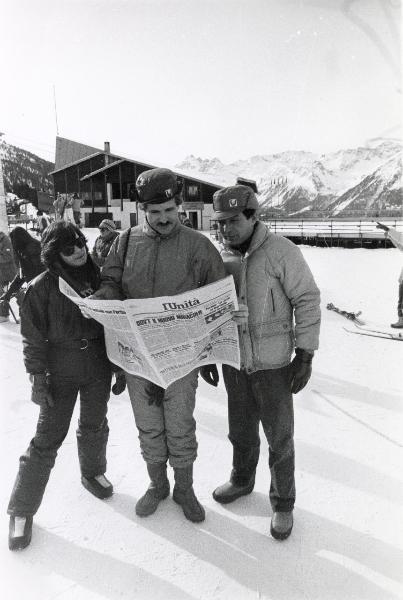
[
  {"x": 278, "y": 307},
  {"x": 42, "y": 221},
  {"x": 59, "y": 206},
  {"x": 162, "y": 258},
  {"x": 27, "y": 256},
  {"x": 396, "y": 237},
  {"x": 8, "y": 271},
  {"x": 77, "y": 204},
  {"x": 184, "y": 219},
  {"x": 104, "y": 241},
  {"x": 65, "y": 355}
]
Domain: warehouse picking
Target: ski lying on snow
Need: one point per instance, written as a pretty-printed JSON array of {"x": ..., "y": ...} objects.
[
  {"x": 367, "y": 328},
  {"x": 351, "y": 316},
  {"x": 386, "y": 335}
]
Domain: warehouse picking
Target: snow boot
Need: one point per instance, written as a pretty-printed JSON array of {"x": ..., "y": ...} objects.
[
  {"x": 281, "y": 525},
  {"x": 4, "y": 310},
  {"x": 184, "y": 495},
  {"x": 19, "y": 533},
  {"x": 157, "y": 490},
  {"x": 230, "y": 491},
  {"x": 98, "y": 486},
  {"x": 398, "y": 324}
]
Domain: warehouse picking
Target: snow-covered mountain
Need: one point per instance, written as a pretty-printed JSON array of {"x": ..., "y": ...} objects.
[
  {"x": 296, "y": 181},
  {"x": 24, "y": 172}
]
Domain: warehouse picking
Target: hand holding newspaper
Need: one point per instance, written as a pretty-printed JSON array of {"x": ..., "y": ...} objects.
[{"x": 162, "y": 339}]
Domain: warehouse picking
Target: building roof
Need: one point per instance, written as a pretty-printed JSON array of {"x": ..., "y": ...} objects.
[
  {"x": 69, "y": 152},
  {"x": 102, "y": 169}
]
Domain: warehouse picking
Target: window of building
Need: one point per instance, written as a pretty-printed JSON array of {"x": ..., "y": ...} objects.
[
  {"x": 192, "y": 191},
  {"x": 116, "y": 190}
]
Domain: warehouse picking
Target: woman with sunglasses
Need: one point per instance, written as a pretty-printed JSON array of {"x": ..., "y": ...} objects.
[{"x": 64, "y": 354}]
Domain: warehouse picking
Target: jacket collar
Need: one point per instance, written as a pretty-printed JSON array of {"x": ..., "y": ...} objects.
[{"x": 258, "y": 238}]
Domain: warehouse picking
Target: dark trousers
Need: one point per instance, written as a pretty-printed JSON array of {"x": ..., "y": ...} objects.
[
  {"x": 263, "y": 396},
  {"x": 88, "y": 374},
  {"x": 400, "y": 301}
]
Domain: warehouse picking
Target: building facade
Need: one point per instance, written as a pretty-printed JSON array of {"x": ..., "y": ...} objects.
[{"x": 106, "y": 184}]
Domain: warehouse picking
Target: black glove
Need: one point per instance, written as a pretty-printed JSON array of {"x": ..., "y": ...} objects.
[
  {"x": 120, "y": 382},
  {"x": 210, "y": 374},
  {"x": 156, "y": 394},
  {"x": 300, "y": 370},
  {"x": 382, "y": 226},
  {"x": 40, "y": 391}
]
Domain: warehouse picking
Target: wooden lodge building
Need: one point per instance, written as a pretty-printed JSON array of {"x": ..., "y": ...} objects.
[{"x": 106, "y": 184}]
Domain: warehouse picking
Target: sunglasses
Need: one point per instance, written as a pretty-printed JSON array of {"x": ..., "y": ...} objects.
[{"x": 69, "y": 250}]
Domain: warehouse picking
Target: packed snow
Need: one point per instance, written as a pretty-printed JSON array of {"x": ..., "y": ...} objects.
[{"x": 347, "y": 541}]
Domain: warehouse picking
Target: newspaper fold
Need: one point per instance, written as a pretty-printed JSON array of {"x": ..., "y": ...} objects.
[{"x": 162, "y": 339}]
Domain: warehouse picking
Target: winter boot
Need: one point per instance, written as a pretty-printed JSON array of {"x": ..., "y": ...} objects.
[
  {"x": 99, "y": 486},
  {"x": 184, "y": 495},
  {"x": 4, "y": 310},
  {"x": 157, "y": 490},
  {"x": 398, "y": 324},
  {"x": 19, "y": 533},
  {"x": 230, "y": 491},
  {"x": 281, "y": 525}
]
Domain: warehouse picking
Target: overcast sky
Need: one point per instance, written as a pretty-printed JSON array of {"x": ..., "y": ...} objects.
[{"x": 161, "y": 79}]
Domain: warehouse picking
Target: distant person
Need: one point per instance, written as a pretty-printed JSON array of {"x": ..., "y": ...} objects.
[
  {"x": 65, "y": 355},
  {"x": 162, "y": 258},
  {"x": 278, "y": 303},
  {"x": 184, "y": 219},
  {"x": 8, "y": 271},
  {"x": 68, "y": 214},
  {"x": 27, "y": 256},
  {"x": 104, "y": 241},
  {"x": 59, "y": 205},
  {"x": 77, "y": 204},
  {"x": 42, "y": 221},
  {"x": 396, "y": 237}
]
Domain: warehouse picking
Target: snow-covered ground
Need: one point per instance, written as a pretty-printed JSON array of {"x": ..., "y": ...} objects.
[{"x": 347, "y": 541}]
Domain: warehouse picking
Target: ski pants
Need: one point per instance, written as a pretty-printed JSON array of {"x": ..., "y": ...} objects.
[
  {"x": 86, "y": 372},
  {"x": 400, "y": 300},
  {"x": 263, "y": 396},
  {"x": 167, "y": 431}
]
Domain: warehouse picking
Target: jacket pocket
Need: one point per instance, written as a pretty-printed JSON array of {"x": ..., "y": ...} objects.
[{"x": 272, "y": 343}]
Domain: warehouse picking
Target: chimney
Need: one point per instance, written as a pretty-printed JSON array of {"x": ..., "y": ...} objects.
[{"x": 107, "y": 150}]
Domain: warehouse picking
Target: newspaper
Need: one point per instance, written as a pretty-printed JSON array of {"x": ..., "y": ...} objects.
[{"x": 162, "y": 339}]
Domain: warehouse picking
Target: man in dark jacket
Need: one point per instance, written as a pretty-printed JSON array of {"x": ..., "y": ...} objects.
[
  {"x": 27, "y": 255},
  {"x": 65, "y": 355},
  {"x": 162, "y": 258}
]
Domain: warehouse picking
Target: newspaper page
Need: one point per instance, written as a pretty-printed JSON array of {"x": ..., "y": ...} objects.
[{"x": 162, "y": 339}]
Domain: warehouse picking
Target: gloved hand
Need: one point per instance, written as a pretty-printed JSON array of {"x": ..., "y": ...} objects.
[
  {"x": 120, "y": 382},
  {"x": 99, "y": 295},
  {"x": 210, "y": 374},
  {"x": 382, "y": 226},
  {"x": 156, "y": 394},
  {"x": 300, "y": 370},
  {"x": 40, "y": 391}
]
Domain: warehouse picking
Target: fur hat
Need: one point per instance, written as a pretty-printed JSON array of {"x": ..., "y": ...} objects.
[
  {"x": 232, "y": 200},
  {"x": 157, "y": 186},
  {"x": 107, "y": 224}
]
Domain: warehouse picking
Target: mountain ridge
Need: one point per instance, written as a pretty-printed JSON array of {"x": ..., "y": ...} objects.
[
  {"x": 292, "y": 182},
  {"x": 362, "y": 180}
]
